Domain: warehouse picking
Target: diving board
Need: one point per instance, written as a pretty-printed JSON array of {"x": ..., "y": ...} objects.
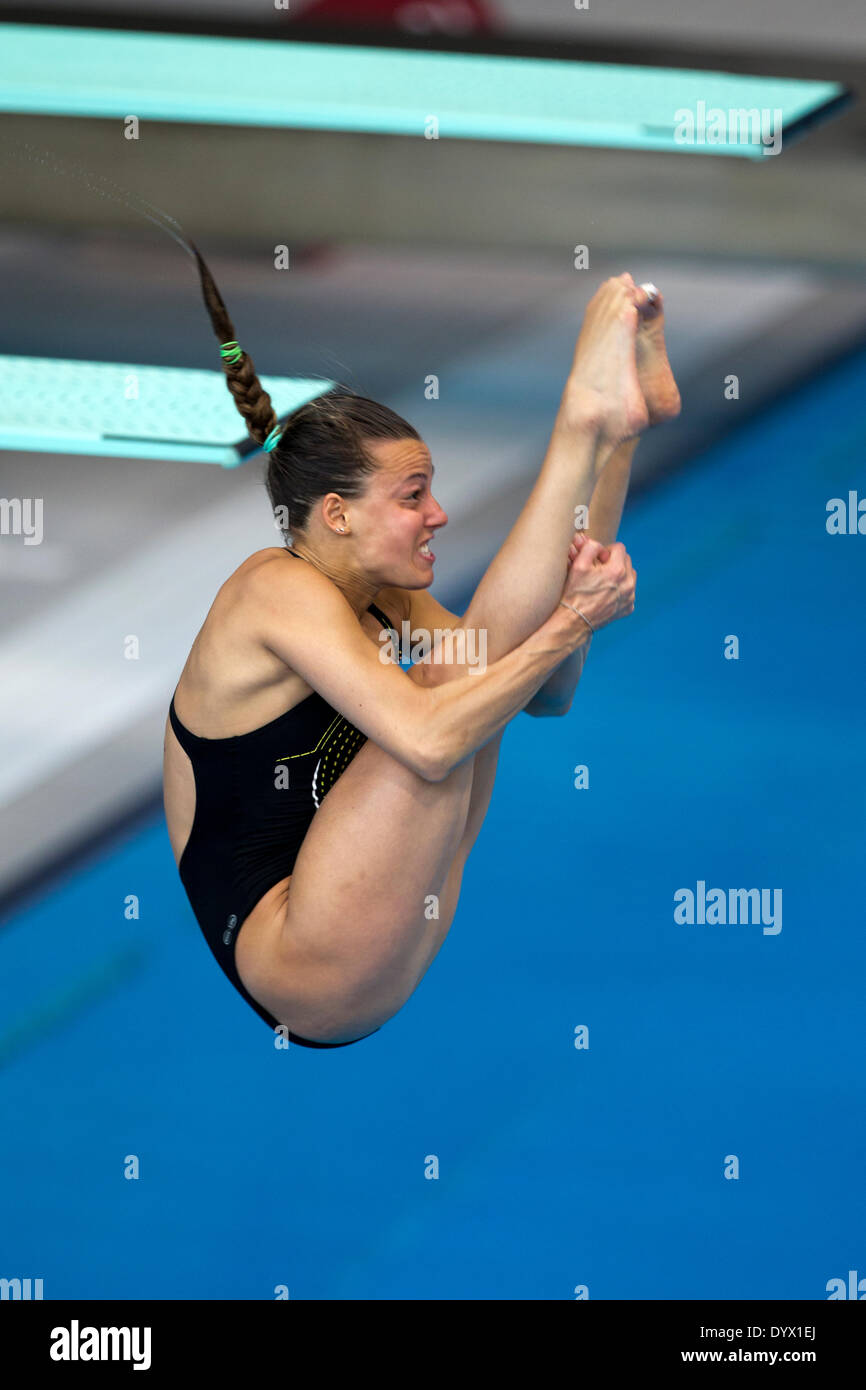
[
  {"x": 65, "y": 71},
  {"x": 126, "y": 410}
]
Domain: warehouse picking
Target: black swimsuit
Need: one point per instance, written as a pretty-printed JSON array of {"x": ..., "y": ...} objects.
[{"x": 256, "y": 795}]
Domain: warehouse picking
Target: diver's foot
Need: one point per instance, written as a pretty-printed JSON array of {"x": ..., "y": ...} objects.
[
  {"x": 603, "y": 388},
  {"x": 653, "y": 368}
]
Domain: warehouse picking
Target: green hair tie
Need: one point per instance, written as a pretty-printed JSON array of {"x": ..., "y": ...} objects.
[
  {"x": 273, "y": 438},
  {"x": 231, "y": 351}
]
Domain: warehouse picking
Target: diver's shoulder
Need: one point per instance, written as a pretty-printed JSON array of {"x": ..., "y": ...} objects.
[
  {"x": 271, "y": 573},
  {"x": 276, "y": 560}
]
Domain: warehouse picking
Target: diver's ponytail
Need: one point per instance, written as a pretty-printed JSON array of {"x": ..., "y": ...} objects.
[
  {"x": 323, "y": 446},
  {"x": 250, "y": 397}
]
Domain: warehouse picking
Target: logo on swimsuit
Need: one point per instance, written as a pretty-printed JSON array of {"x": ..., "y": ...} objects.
[
  {"x": 341, "y": 746},
  {"x": 229, "y": 931}
]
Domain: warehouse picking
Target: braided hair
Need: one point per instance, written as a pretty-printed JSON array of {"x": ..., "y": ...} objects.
[{"x": 322, "y": 445}]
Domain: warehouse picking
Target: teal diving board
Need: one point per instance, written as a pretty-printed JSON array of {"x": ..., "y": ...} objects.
[
  {"x": 65, "y": 71},
  {"x": 126, "y": 410}
]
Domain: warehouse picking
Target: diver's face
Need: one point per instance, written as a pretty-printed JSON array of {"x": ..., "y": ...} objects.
[{"x": 396, "y": 518}]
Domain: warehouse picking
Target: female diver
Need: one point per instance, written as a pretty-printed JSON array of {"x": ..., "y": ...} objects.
[{"x": 321, "y": 802}]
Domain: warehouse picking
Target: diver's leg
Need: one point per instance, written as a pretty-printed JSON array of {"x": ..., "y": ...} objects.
[{"x": 337, "y": 949}]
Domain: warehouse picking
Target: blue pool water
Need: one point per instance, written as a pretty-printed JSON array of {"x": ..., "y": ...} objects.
[{"x": 558, "y": 1166}]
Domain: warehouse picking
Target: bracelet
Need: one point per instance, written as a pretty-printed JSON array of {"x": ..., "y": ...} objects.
[{"x": 579, "y": 614}]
